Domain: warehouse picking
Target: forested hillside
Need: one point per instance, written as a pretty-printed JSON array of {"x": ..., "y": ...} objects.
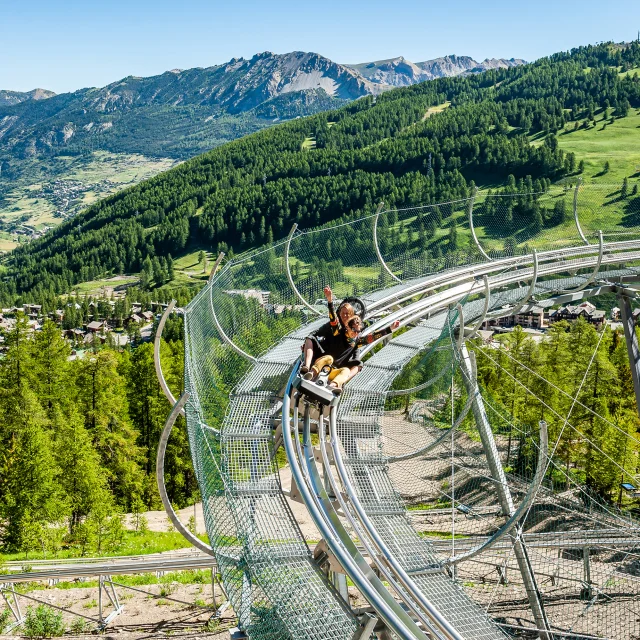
[
  {"x": 78, "y": 438},
  {"x": 338, "y": 163}
]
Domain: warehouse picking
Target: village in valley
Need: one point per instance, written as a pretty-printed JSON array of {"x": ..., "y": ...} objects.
[
  {"x": 112, "y": 318},
  {"x": 89, "y": 322}
]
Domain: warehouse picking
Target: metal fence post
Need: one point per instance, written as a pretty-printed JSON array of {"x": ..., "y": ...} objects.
[
  {"x": 626, "y": 315},
  {"x": 504, "y": 497}
]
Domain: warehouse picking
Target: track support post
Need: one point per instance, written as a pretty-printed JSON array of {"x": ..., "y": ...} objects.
[
  {"x": 504, "y": 496},
  {"x": 588, "y": 590},
  {"x": 631, "y": 339},
  {"x": 11, "y": 600}
]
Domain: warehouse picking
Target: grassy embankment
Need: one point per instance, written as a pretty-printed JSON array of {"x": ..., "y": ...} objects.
[{"x": 133, "y": 543}]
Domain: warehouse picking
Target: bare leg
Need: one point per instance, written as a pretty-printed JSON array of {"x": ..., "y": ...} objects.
[{"x": 308, "y": 353}]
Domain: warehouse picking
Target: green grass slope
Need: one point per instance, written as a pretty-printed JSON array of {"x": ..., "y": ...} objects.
[{"x": 617, "y": 143}]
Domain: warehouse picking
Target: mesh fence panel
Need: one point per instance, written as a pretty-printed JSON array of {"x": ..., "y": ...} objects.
[{"x": 426, "y": 485}]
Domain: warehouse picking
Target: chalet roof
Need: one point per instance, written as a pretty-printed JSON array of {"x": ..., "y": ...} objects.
[
  {"x": 531, "y": 308},
  {"x": 95, "y": 325}
]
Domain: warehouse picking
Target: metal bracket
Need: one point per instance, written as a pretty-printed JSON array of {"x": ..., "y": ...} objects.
[
  {"x": 288, "y": 270},
  {"x": 377, "y": 247},
  {"x": 162, "y": 448},
  {"x": 103, "y": 581},
  {"x": 460, "y": 340},
  {"x": 472, "y": 228},
  {"x": 594, "y": 273},
  {"x": 575, "y": 211},
  {"x": 14, "y": 607},
  {"x": 367, "y": 628}
]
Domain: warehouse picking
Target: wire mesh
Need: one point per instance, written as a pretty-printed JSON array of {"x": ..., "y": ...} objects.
[{"x": 413, "y": 452}]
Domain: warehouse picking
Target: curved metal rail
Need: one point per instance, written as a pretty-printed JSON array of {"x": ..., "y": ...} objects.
[
  {"x": 522, "y": 508},
  {"x": 156, "y": 355},
  {"x": 162, "y": 448},
  {"x": 224, "y": 336},
  {"x": 331, "y": 529},
  {"x": 596, "y": 269},
  {"x": 377, "y": 246},
  {"x": 473, "y": 230},
  {"x": 485, "y": 307},
  {"x": 292, "y": 284},
  {"x": 575, "y": 211}
]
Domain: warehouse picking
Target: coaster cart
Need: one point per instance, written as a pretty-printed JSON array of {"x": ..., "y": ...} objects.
[{"x": 318, "y": 391}]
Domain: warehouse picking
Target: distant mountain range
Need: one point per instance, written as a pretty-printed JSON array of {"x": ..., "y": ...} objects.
[
  {"x": 182, "y": 113},
  {"x": 9, "y": 98},
  {"x": 131, "y": 115},
  {"x": 399, "y": 72}
]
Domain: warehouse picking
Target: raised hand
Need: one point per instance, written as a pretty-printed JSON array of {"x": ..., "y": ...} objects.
[{"x": 328, "y": 294}]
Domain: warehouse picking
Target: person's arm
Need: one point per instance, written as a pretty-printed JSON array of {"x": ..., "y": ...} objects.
[
  {"x": 333, "y": 318},
  {"x": 372, "y": 337}
]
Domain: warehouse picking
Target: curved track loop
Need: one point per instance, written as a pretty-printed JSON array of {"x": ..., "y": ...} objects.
[{"x": 268, "y": 570}]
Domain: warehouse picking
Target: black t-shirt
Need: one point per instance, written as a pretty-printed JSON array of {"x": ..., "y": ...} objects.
[{"x": 334, "y": 342}]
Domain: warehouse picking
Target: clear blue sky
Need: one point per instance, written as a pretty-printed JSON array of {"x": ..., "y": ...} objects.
[{"x": 65, "y": 45}]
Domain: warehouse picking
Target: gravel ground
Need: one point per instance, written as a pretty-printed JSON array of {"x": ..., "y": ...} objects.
[{"x": 144, "y": 616}]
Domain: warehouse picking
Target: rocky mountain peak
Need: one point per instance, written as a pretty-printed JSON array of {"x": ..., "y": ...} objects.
[{"x": 9, "y": 98}]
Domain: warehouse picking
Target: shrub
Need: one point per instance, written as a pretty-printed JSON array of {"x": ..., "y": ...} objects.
[
  {"x": 166, "y": 588},
  {"x": 43, "y": 622},
  {"x": 4, "y": 619},
  {"x": 212, "y": 625},
  {"x": 80, "y": 626}
]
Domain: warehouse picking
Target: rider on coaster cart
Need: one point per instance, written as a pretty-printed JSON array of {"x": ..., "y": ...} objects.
[{"x": 337, "y": 343}]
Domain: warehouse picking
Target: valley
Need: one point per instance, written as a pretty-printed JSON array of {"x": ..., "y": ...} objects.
[{"x": 51, "y": 190}]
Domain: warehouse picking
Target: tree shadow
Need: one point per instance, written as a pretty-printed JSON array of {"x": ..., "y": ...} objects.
[{"x": 631, "y": 212}]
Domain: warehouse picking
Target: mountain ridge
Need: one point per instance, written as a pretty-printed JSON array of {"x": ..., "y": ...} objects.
[
  {"x": 40, "y": 121},
  {"x": 9, "y": 97},
  {"x": 88, "y": 137},
  {"x": 399, "y": 72}
]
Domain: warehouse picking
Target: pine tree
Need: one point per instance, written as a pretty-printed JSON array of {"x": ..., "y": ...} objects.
[
  {"x": 148, "y": 410},
  {"x": 81, "y": 478},
  {"x": 102, "y": 400},
  {"x": 536, "y": 221},
  {"x": 30, "y": 497},
  {"x": 453, "y": 236},
  {"x": 624, "y": 191},
  {"x": 51, "y": 376}
]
